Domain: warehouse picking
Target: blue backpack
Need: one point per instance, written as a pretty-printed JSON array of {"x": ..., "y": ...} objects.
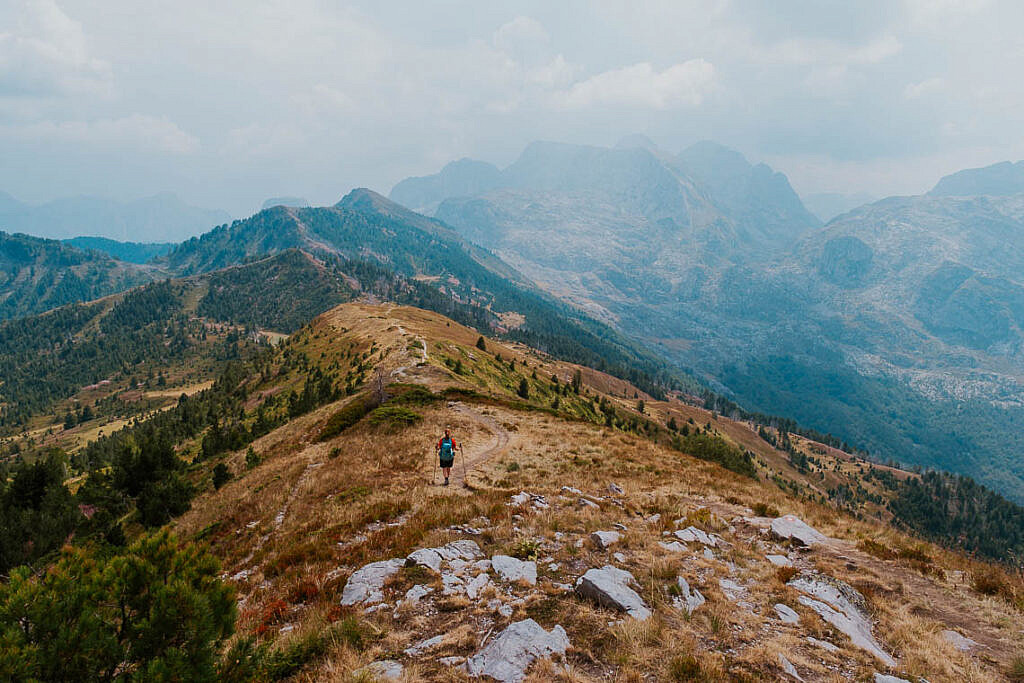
[{"x": 446, "y": 449}]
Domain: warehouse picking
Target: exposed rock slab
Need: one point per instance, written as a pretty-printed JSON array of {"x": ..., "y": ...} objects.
[
  {"x": 364, "y": 586},
  {"x": 788, "y": 667},
  {"x": 382, "y": 670},
  {"x": 842, "y": 606},
  {"x": 692, "y": 534},
  {"x": 510, "y": 654},
  {"x": 421, "y": 647},
  {"x": 786, "y": 614},
  {"x": 792, "y": 528},
  {"x": 959, "y": 641},
  {"x": 612, "y": 587},
  {"x": 689, "y": 598}
]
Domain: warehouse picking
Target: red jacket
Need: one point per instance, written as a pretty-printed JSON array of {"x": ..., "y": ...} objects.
[{"x": 454, "y": 445}]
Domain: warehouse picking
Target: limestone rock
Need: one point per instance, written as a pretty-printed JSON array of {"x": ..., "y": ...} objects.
[
  {"x": 611, "y": 587},
  {"x": 691, "y": 534},
  {"x": 511, "y": 569},
  {"x": 788, "y": 667},
  {"x": 886, "y": 678},
  {"x": 615, "y": 489},
  {"x": 959, "y": 641},
  {"x": 791, "y": 527},
  {"x": 786, "y": 614},
  {"x": 382, "y": 670},
  {"x": 364, "y": 586},
  {"x": 842, "y": 606},
  {"x": 423, "y": 646},
  {"x": 780, "y": 560},
  {"x": 510, "y": 654},
  {"x": 689, "y": 599},
  {"x": 476, "y": 586},
  {"x": 673, "y": 546},
  {"x": 605, "y": 539}
]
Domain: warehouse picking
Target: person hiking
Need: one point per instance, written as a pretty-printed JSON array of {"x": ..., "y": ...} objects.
[{"x": 445, "y": 450}]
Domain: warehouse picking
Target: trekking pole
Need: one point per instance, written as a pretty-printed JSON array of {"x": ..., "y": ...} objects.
[
  {"x": 433, "y": 474},
  {"x": 465, "y": 483}
]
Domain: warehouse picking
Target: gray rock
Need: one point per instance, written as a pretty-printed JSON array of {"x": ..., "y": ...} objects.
[
  {"x": 619, "y": 557},
  {"x": 605, "y": 539},
  {"x": 674, "y": 546},
  {"x": 959, "y": 641},
  {"x": 364, "y": 586},
  {"x": 842, "y": 606},
  {"x": 791, "y": 527},
  {"x": 780, "y": 560},
  {"x": 587, "y": 503},
  {"x": 465, "y": 550},
  {"x": 611, "y": 587},
  {"x": 733, "y": 591},
  {"x": 452, "y": 584},
  {"x": 420, "y": 648},
  {"x": 511, "y": 569},
  {"x": 382, "y": 670},
  {"x": 786, "y": 614},
  {"x": 886, "y": 678},
  {"x": 476, "y": 586},
  {"x": 615, "y": 489},
  {"x": 708, "y": 555},
  {"x": 510, "y": 654},
  {"x": 823, "y": 644},
  {"x": 425, "y": 557},
  {"x": 653, "y": 519},
  {"x": 451, "y": 661},
  {"x": 692, "y": 534},
  {"x": 689, "y": 599},
  {"x": 572, "y": 491},
  {"x": 417, "y": 593},
  {"x": 788, "y": 667}
]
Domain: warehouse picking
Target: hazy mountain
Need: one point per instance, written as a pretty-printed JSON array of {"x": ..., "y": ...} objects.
[
  {"x": 1000, "y": 179},
  {"x": 160, "y": 218},
  {"x": 38, "y": 274},
  {"x": 132, "y": 252},
  {"x": 828, "y": 205},
  {"x": 285, "y": 201},
  {"x": 458, "y": 179}
]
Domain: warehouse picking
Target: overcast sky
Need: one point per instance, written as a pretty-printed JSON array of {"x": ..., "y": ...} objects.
[{"x": 228, "y": 103}]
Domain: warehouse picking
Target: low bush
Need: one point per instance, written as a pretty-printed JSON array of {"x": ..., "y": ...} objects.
[
  {"x": 346, "y": 417},
  {"x": 393, "y": 418}
]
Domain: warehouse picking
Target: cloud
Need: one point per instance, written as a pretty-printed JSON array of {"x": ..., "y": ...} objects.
[
  {"x": 48, "y": 54},
  {"x": 929, "y": 86},
  {"x": 681, "y": 85},
  {"x": 138, "y": 131},
  {"x": 520, "y": 32}
]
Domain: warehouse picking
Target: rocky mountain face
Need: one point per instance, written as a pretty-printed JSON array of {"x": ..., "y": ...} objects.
[
  {"x": 1004, "y": 178},
  {"x": 902, "y": 318}
]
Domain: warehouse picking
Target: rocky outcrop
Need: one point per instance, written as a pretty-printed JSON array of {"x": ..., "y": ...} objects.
[
  {"x": 510, "y": 654},
  {"x": 382, "y": 670},
  {"x": 510, "y": 569},
  {"x": 605, "y": 539},
  {"x": 612, "y": 587},
  {"x": 842, "y": 606},
  {"x": 689, "y": 598},
  {"x": 364, "y": 586}
]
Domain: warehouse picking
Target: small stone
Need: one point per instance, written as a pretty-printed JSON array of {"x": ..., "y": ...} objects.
[
  {"x": 959, "y": 641},
  {"x": 572, "y": 491},
  {"x": 423, "y": 646},
  {"x": 511, "y": 569},
  {"x": 780, "y": 560},
  {"x": 385, "y": 669},
  {"x": 733, "y": 591},
  {"x": 620, "y": 526},
  {"x": 886, "y": 678},
  {"x": 521, "y": 498},
  {"x": 788, "y": 667},
  {"x": 615, "y": 489},
  {"x": 474, "y": 587},
  {"x": 653, "y": 519},
  {"x": 692, "y": 533},
  {"x": 482, "y": 565},
  {"x": 823, "y": 644},
  {"x": 674, "y": 546},
  {"x": 689, "y": 599},
  {"x": 587, "y": 503},
  {"x": 451, "y": 661},
  {"x": 425, "y": 557},
  {"x": 786, "y": 614},
  {"x": 605, "y": 539},
  {"x": 416, "y": 593},
  {"x": 708, "y": 555},
  {"x": 619, "y": 557}
]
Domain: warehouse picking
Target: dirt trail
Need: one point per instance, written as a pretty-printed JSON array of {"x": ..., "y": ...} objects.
[{"x": 477, "y": 454}]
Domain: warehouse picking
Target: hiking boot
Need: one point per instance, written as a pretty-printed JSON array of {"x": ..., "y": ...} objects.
[{"x": 446, "y": 481}]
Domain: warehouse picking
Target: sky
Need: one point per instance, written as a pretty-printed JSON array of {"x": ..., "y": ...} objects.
[{"x": 228, "y": 103}]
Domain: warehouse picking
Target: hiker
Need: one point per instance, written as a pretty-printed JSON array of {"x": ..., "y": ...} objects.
[{"x": 445, "y": 449}]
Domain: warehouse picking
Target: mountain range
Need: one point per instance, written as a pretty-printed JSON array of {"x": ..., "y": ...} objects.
[
  {"x": 901, "y": 318},
  {"x": 160, "y": 218}
]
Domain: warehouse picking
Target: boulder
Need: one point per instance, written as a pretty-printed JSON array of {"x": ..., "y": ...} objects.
[
  {"x": 842, "y": 606},
  {"x": 959, "y": 641},
  {"x": 425, "y": 557},
  {"x": 886, "y": 678},
  {"x": 689, "y": 599},
  {"x": 792, "y": 528},
  {"x": 364, "y": 586},
  {"x": 381, "y": 670},
  {"x": 674, "y": 546},
  {"x": 417, "y": 593},
  {"x": 780, "y": 560},
  {"x": 786, "y": 614},
  {"x": 510, "y": 654},
  {"x": 477, "y": 585},
  {"x": 605, "y": 539},
  {"x": 510, "y": 569},
  {"x": 611, "y": 587}
]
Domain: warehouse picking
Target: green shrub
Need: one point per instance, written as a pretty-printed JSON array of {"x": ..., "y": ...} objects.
[
  {"x": 412, "y": 395},
  {"x": 393, "y": 418},
  {"x": 346, "y": 417},
  {"x": 221, "y": 475}
]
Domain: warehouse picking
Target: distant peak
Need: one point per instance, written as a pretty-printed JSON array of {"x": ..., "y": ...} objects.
[
  {"x": 637, "y": 140},
  {"x": 1003, "y": 178},
  {"x": 297, "y": 202}
]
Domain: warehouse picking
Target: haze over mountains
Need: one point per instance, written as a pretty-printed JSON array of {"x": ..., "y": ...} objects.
[{"x": 909, "y": 305}]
